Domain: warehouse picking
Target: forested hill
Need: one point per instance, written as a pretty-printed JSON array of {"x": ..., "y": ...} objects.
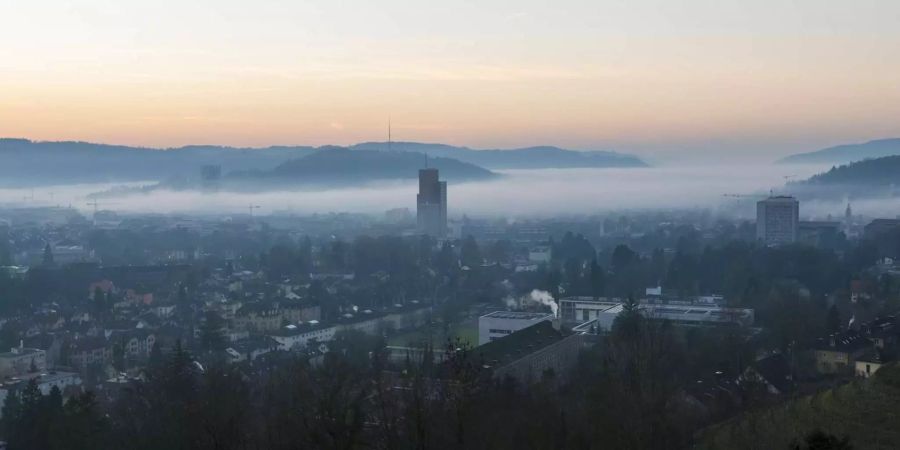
[
  {"x": 24, "y": 162},
  {"x": 879, "y": 172},
  {"x": 843, "y": 154},
  {"x": 341, "y": 166},
  {"x": 863, "y": 412},
  {"x": 542, "y": 157},
  {"x": 34, "y": 163}
]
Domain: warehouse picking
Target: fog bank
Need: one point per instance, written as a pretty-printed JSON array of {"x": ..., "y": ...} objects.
[{"x": 543, "y": 192}]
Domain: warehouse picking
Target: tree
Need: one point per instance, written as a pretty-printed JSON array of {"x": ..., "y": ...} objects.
[
  {"x": 469, "y": 254},
  {"x": 622, "y": 257},
  {"x": 211, "y": 336},
  {"x": 598, "y": 280},
  {"x": 47, "y": 259},
  {"x": 819, "y": 440},
  {"x": 833, "y": 320}
]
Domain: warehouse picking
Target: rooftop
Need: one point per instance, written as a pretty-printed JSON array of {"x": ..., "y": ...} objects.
[
  {"x": 517, "y": 345},
  {"x": 518, "y": 315}
]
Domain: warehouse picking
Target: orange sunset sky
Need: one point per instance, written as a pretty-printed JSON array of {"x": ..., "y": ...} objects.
[{"x": 659, "y": 78}]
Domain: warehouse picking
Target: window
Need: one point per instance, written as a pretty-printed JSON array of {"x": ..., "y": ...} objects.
[{"x": 584, "y": 315}]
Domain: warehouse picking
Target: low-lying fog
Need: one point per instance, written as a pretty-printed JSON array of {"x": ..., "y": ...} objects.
[{"x": 519, "y": 193}]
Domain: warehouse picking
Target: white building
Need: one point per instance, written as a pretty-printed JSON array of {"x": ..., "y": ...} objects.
[
  {"x": 45, "y": 383},
  {"x": 21, "y": 360},
  {"x": 298, "y": 336},
  {"x": 540, "y": 255},
  {"x": 602, "y": 313},
  {"x": 498, "y": 324},
  {"x": 577, "y": 310}
]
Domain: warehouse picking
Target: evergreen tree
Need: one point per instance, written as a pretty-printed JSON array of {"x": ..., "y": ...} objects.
[
  {"x": 47, "y": 259},
  {"x": 598, "y": 280},
  {"x": 211, "y": 337},
  {"x": 469, "y": 254},
  {"x": 833, "y": 320}
]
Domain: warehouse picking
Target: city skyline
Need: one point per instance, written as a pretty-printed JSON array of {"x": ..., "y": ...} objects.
[{"x": 725, "y": 80}]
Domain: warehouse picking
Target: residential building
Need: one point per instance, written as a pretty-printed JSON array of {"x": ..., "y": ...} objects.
[
  {"x": 773, "y": 372},
  {"x": 869, "y": 362},
  {"x": 839, "y": 352},
  {"x": 880, "y": 227},
  {"x": 777, "y": 220},
  {"x": 292, "y": 337}
]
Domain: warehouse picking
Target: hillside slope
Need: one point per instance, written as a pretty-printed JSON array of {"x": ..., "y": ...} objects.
[
  {"x": 543, "y": 157},
  {"x": 866, "y": 411},
  {"x": 843, "y": 154}
]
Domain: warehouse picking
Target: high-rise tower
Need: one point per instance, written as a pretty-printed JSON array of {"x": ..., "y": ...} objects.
[
  {"x": 777, "y": 220},
  {"x": 431, "y": 204}
]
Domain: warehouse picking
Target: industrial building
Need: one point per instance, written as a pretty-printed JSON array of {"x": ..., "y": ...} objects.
[
  {"x": 499, "y": 324},
  {"x": 586, "y": 314}
]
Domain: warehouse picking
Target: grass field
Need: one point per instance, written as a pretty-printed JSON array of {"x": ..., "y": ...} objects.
[{"x": 466, "y": 331}]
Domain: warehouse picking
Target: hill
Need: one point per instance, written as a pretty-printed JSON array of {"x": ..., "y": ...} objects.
[
  {"x": 33, "y": 163},
  {"x": 24, "y": 162},
  {"x": 865, "y": 411},
  {"x": 544, "y": 157},
  {"x": 341, "y": 166},
  {"x": 879, "y": 172},
  {"x": 843, "y": 154}
]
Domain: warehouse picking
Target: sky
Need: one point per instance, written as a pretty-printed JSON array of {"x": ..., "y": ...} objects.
[{"x": 667, "y": 80}]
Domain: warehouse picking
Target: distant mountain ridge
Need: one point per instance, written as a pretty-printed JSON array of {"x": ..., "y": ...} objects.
[
  {"x": 34, "y": 162},
  {"x": 870, "y": 172},
  {"x": 342, "y": 166},
  {"x": 25, "y": 162},
  {"x": 870, "y": 178},
  {"x": 843, "y": 154},
  {"x": 541, "y": 157}
]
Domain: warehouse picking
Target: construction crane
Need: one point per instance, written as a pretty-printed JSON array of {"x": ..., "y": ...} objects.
[
  {"x": 251, "y": 208},
  {"x": 97, "y": 204},
  {"x": 745, "y": 195}
]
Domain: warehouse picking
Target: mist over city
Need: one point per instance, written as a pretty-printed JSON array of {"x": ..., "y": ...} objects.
[{"x": 397, "y": 225}]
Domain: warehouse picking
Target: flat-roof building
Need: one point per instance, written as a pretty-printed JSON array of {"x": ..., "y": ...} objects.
[
  {"x": 498, "y": 324},
  {"x": 777, "y": 220},
  {"x": 584, "y": 313}
]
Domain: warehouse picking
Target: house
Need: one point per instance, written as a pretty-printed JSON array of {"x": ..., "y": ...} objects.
[
  {"x": 85, "y": 351},
  {"x": 251, "y": 348},
  {"x": 839, "y": 352},
  {"x": 872, "y": 360},
  {"x": 773, "y": 372},
  {"x": 135, "y": 343}
]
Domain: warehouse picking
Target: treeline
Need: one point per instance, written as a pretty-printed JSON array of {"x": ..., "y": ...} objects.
[{"x": 624, "y": 395}]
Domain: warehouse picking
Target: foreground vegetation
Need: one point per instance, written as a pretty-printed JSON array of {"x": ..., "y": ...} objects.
[{"x": 864, "y": 411}]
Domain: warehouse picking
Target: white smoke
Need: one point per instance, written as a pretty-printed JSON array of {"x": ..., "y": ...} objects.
[{"x": 544, "y": 298}]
